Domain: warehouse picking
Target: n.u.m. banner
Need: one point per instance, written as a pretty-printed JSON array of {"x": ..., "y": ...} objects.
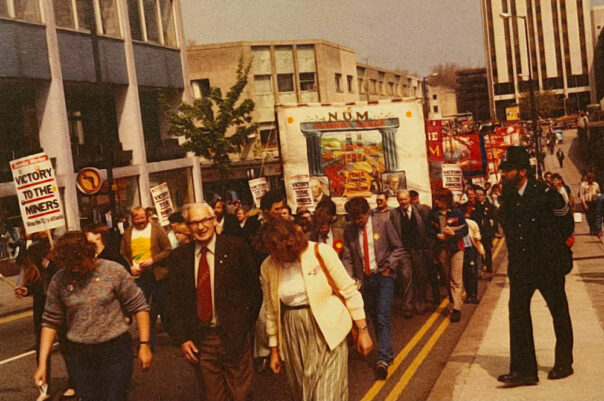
[
  {"x": 356, "y": 149},
  {"x": 38, "y": 193}
]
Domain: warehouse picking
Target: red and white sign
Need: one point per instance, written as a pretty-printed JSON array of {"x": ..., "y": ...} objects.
[
  {"x": 89, "y": 181},
  {"x": 163, "y": 202},
  {"x": 258, "y": 187},
  {"x": 301, "y": 189},
  {"x": 38, "y": 193},
  {"x": 453, "y": 178}
]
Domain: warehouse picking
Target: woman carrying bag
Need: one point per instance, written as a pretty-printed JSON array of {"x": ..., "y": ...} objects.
[{"x": 307, "y": 318}]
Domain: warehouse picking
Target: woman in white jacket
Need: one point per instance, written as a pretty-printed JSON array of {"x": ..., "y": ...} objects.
[{"x": 306, "y": 321}]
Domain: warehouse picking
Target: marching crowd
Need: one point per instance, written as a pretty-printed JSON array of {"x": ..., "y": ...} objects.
[{"x": 240, "y": 290}]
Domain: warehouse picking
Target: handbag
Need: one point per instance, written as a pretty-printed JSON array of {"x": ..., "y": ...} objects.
[{"x": 354, "y": 332}]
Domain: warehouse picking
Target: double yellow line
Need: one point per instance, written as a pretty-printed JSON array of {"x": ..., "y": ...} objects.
[{"x": 408, "y": 374}]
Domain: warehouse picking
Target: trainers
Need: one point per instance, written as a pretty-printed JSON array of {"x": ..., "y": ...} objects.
[{"x": 381, "y": 370}]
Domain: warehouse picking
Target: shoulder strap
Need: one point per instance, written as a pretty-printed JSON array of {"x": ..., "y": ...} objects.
[{"x": 334, "y": 289}]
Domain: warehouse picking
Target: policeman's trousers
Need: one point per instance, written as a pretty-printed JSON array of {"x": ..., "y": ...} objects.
[{"x": 522, "y": 346}]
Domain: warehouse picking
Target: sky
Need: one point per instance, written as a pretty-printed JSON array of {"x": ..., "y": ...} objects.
[{"x": 410, "y": 35}]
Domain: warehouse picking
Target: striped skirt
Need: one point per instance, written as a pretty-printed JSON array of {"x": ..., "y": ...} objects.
[{"x": 313, "y": 371}]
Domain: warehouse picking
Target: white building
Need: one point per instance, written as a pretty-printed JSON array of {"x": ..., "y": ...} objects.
[{"x": 561, "y": 51}]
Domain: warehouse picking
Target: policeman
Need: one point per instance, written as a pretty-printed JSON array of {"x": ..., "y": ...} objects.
[{"x": 538, "y": 225}]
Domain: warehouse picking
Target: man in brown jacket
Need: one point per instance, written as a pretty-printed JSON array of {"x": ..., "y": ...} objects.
[{"x": 145, "y": 246}]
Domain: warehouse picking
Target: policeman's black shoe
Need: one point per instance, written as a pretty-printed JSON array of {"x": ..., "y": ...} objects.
[
  {"x": 515, "y": 379},
  {"x": 381, "y": 370},
  {"x": 455, "y": 316},
  {"x": 559, "y": 373}
]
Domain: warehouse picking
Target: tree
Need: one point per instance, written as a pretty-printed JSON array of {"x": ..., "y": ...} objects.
[
  {"x": 547, "y": 104},
  {"x": 446, "y": 75},
  {"x": 215, "y": 126}
]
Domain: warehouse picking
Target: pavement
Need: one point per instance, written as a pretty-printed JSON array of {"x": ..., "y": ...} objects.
[
  {"x": 9, "y": 304},
  {"x": 483, "y": 350}
]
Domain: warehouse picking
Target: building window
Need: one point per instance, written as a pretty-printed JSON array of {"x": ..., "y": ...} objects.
[
  {"x": 307, "y": 82},
  {"x": 201, "y": 88},
  {"x": 361, "y": 85},
  {"x": 268, "y": 138},
  {"x": 285, "y": 82},
  {"x": 109, "y": 20},
  {"x": 434, "y": 97},
  {"x": 349, "y": 82},
  {"x": 152, "y": 21},
  {"x": 373, "y": 87},
  {"x": 390, "y": 88},
  {"x": 73, "y": 14},
  {"x": 339, "y": 82},
  {"x": 435, "y": 108},
  {"x": 26, "y": 10}
]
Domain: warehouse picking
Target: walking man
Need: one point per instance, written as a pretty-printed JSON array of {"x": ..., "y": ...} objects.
[
  {"x": 537, "y": 224},
  {"x": 214, "y": 301},
  {"x": 372, "y": 254},
  {"x": 560, "y": 157}
]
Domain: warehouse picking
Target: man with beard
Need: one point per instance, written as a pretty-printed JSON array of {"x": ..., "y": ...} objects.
[{"x": 537, "y": 225}]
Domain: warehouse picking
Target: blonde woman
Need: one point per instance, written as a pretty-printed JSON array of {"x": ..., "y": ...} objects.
[{"x": 306, "y": 322}]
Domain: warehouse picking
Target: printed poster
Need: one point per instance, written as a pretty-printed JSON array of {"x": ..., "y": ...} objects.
[
  {"x": 163, "y": 202},
  {"x": 258, "y": 187},
  {"x": 453, "y": 178},
  {"x": 300, "y": 185},
  {"x": 38, "y": 193}
]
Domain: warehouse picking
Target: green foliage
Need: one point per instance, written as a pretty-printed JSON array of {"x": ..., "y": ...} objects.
[
  {"x": 216, "y": 125},
  {"x": 547, "y": 104}
]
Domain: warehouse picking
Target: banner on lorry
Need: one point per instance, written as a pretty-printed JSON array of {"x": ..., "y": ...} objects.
[
  {"x": 355, "y": 150},
  {"x": 38, "y": 193}
]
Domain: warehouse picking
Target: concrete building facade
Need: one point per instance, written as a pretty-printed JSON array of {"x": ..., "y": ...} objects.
[
  {"x": 81, "y": 81},
  {"x": 442, "y": 101},
  {"x": 561, "y": 51},
  {"x": 282, "y": 72}
]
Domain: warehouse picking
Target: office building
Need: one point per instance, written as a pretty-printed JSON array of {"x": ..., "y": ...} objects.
[
  {"x": 473, "y": 93},
  {"x": 81, "y": 81},
  {"x": 561, "y": 51}
]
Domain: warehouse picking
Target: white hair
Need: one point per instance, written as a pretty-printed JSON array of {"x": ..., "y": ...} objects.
[{"x": 203, "y": 205}]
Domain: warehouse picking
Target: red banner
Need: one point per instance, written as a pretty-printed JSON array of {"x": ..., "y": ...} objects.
[
  {"x": 466, "y": 151},
  {"x": 496, "y": 144}
]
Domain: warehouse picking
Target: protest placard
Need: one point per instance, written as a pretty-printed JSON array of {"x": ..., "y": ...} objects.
[
  {"x": 300, "y": 184},
  {"x": 453, "y": 178},
  {"x": 258, "y": 187},
  {"x": 163, "y": 203},
  {"x": 38, "y": 193}
]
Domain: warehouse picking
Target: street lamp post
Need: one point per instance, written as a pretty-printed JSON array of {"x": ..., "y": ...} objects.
[{"x": 536, "y": 137}]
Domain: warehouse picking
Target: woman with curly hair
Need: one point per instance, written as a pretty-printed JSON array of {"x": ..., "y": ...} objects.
[
  {"x": 89, "y": 297},
  {"x": 306, "y": 321}
]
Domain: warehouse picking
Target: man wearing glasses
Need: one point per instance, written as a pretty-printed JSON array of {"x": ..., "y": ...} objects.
[{"x": 214, "y": 300}]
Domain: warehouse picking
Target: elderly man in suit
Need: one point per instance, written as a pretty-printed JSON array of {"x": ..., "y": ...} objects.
[
  {"x": 410, "y": 223},
  {"x": 214, "y": 300},
  {"x": 372, "y": 254}
]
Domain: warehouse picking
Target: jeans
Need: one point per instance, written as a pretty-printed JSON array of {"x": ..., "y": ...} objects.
[
  {"x": 102, "y": 371},
  {"x": 598, "y": 218},
  {"x": 378, "y": 291},
  {"x": 470, "y": 273}
]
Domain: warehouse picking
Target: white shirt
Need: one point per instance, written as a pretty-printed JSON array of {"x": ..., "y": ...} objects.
[
  {"x": 523, "y": 188},
  {"x": 210, "y": 256},
  {"x": 372, "y": 262},
  {"x": 327, "y": 240},
  {"x": 144, "y": 233},
  {"x": 292, "y": 290}
]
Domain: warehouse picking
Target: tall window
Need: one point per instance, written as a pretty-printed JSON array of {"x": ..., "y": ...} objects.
[
  {"x": 338, "y": 82},
  {"x": 349, "y": 82},
  {"x": 152, "y": 21},
  {"x": 201, "y": 88},
  {"x": 307, "y": 81},
  {"x": 285, "y": 82},
  {"x": 76, "y": 14},
  {"x": 109, "y": 20},
  {"x": 26, "y": 10}
]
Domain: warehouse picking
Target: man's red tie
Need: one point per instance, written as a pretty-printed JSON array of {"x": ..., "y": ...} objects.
[
  {"x": 204, "y": 289},
  {"x": 366, "y": 252}
]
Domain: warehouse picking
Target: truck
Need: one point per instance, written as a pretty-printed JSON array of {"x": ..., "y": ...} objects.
[{"x": 355, "y": 149}]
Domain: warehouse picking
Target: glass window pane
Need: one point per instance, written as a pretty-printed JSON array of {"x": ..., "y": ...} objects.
[
  {"x": 307, "y": 81},
  {"x": 28, "y": 10},
  {"x": 84, "y": 9},
  {"x": 151, "y": 20},
  {"x": 285, "y": 82},
  {"x": 168, "y": 22},
  {"x": 109, "y": 18},
  {"x": 136, "y": 29},
  {"x": 63, "y": 13}
]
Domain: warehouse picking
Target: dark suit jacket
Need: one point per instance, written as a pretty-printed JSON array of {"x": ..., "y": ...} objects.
[
  {"x": 231, "y": 227},
  {"x": 397, "y": 213},
  {"x": 389, "y": 251},
  {"x": 236, "y": 290}
]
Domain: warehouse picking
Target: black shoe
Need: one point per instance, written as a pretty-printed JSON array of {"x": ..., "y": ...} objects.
[
  {"x": 515, "y": 379},
  {"x": 559, "y": 373},
  {"x": 455, "y": 316},
  {"x": 475, "y": 300},
  {"x": 467, "y": 300},
  {"x": 381, "y": 371}
]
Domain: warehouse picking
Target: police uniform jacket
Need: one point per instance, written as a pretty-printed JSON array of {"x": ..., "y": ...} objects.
[{"x": 536, "y": 225}]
